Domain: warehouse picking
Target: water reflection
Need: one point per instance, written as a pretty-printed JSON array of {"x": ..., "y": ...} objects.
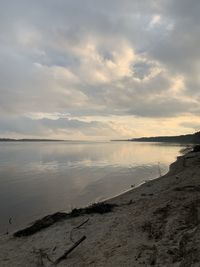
[{"x": 40, "y": 178}]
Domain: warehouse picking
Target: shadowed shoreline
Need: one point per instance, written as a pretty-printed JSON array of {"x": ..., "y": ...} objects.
[{"x": 156, "y": 224}]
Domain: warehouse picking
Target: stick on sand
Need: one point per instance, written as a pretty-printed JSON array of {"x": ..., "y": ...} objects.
[{"x": 70, "y": 250}]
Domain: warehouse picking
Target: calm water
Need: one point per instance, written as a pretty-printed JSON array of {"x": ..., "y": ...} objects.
[{"x": 41, "y": 178}]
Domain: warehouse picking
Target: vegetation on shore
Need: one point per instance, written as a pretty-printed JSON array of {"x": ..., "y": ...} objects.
[{"x": 186, "y": 139}]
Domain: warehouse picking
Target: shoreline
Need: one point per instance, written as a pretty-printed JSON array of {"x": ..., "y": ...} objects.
[
  {"x": 155, "y": 224},
  {"x": 66, "y": 212},
  {"x": 10, "y": 228}
]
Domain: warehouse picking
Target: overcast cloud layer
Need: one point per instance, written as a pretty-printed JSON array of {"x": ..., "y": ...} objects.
[{"x": 99, "y": 69}]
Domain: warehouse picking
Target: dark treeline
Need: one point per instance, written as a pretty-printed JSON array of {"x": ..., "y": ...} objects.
[{"x": 188, "y": 138}]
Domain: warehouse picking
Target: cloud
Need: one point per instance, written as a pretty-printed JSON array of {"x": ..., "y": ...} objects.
[
  {"x": 97, "y": 58},
  {"x": 192, "y": 125},
  {"x": 63, "y": 128}
]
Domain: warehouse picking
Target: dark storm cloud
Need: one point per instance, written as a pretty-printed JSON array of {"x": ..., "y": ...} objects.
[{"x": 97, "y": 58}]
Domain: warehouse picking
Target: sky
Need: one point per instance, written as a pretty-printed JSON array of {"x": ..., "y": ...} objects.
[{"x": 99, "y": 69}]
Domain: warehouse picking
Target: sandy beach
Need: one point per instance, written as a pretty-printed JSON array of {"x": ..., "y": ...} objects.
[{"x": 156, "y": 224}]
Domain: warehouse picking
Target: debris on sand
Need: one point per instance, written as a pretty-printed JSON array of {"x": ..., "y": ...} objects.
[{"x": 49, "y": 220}]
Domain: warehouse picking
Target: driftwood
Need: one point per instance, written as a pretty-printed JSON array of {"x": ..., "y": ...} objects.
[
  {"x": 41, "y": 224},
  {"x": 70, "y": 250},
  {"x": 47, "y": 221},
  {"x": 100, "y": 208},
  {"x": 43, "y": 255},
  {"x": 77, "y": 227}
]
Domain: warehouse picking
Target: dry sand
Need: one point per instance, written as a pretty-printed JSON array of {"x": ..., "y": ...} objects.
[{"x": 156, "y": 224}]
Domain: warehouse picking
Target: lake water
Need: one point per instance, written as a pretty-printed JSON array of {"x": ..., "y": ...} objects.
[{"x": 39, "y": 178}]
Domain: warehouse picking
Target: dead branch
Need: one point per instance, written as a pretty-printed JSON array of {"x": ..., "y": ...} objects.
[
  {"x": 77, "y": 227},
  {"x": 64, "y": 256}
]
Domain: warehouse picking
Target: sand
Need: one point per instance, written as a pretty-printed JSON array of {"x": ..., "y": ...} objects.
[{"x": 156, "y": 224}]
